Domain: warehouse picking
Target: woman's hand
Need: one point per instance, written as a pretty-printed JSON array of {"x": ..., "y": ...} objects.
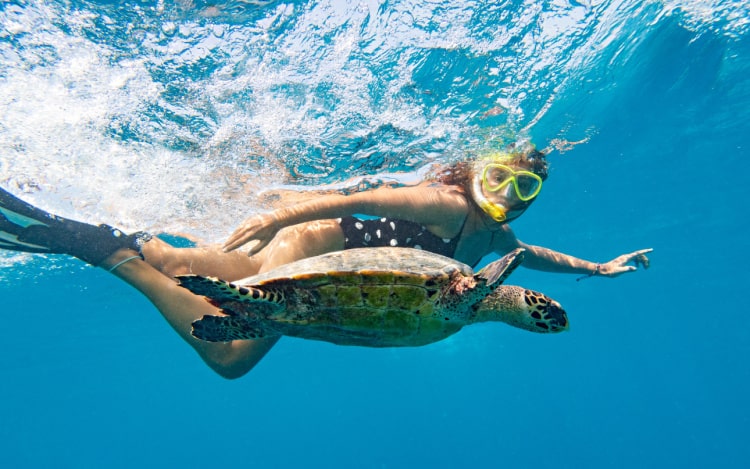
[
  {"x": 619, "y": 265},
  {"x": 262, "y": 228}
]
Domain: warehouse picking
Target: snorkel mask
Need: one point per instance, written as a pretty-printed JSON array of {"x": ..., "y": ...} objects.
[{"x": 493, "y": 174}]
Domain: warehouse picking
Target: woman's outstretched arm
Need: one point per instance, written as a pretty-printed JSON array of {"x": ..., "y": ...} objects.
[{"x": 548, "y": 260}]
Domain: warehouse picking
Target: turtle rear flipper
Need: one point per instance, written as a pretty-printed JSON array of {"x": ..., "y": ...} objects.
[
  {"x": 498, "y": 271},
  {"x": 224, "y": 294},
  {"x": 227, "y": 329}
]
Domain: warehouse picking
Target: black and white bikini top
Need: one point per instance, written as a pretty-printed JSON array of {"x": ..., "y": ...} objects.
[{"x": 383, "y": 232}]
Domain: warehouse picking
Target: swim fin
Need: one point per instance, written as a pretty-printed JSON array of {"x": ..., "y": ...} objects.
[{"x": 26, "y": 228}]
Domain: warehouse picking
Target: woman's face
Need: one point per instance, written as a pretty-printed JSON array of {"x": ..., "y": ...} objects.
[{"x": 505, "y": 191}]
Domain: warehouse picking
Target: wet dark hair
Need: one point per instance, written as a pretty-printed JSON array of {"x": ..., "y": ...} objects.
[{"x": 461, "y": 173}]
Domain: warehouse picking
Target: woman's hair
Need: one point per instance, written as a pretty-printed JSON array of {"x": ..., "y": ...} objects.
[{"x": 461, "y": 173}]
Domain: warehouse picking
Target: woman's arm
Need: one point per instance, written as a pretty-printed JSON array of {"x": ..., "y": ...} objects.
[
  {"x": 442, "y": 208},
  {"x": 541, "y": 258}
]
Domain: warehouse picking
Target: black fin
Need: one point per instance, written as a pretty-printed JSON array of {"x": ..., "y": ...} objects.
[{"x": 26, "y": 228}]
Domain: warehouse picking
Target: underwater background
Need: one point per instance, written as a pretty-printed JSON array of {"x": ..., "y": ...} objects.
[{"x": 178, "y": 116}]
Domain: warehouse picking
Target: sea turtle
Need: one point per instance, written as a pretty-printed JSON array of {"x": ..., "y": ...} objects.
[{"x": 374, "y": 297}]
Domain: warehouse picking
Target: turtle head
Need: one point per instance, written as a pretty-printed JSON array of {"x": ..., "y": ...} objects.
[{"x": 522, "y": 308}]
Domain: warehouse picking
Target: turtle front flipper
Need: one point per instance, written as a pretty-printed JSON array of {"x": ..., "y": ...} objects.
[
  {"x": 227, "y": 329},
  {"x": 230, "y": 297},
  {"x": 498, "y": 271}
]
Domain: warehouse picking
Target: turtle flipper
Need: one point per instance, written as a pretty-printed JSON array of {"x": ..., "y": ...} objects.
[
  {"x": 227, "y": 328},
  {"x": 26, "y": 228},
  {"x": 226, "y": 295},
  {"x": 498, "y": 271}
]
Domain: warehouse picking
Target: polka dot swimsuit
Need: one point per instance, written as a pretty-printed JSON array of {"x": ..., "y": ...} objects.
[{"x": 392, "y": 232}]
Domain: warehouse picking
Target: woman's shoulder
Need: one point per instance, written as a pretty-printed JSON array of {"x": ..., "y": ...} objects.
[{"x": 441, "y": 188}]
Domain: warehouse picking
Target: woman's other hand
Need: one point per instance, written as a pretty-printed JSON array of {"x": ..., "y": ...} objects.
[
  {"x": 619, "y": 265},
  {"x": 261, "y": 228}
]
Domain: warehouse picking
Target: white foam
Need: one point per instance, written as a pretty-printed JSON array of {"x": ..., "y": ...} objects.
[{"x": 728, "y": 17}]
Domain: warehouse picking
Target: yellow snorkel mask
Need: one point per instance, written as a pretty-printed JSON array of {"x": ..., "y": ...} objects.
[{"x": 494, "y": 175}]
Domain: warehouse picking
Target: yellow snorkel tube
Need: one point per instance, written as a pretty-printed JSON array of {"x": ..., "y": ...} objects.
[{"x": 495, "y": 211}]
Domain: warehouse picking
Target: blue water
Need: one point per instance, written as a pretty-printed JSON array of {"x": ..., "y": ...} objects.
[{"x": 176, "y": 115}]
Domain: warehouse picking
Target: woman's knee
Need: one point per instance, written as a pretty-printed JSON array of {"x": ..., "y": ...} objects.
[{"x": 235, "y": 359}]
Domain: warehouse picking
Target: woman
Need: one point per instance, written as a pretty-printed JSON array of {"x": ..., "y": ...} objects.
[{"x": 462, "y": 212}]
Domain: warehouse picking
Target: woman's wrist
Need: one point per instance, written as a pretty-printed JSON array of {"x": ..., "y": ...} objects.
[
  {"x": 281, "y": 218},
  {"x": 597, "y": 270}
]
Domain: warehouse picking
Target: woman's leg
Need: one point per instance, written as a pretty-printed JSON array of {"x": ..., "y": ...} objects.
[
  {"x": 180, "y": 308},
  {"x": 291, "y": 244},
  {"x": 207, "y": 261}
]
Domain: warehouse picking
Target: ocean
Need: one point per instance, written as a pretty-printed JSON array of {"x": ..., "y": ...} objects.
[{"x": 179, "y": 116}]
